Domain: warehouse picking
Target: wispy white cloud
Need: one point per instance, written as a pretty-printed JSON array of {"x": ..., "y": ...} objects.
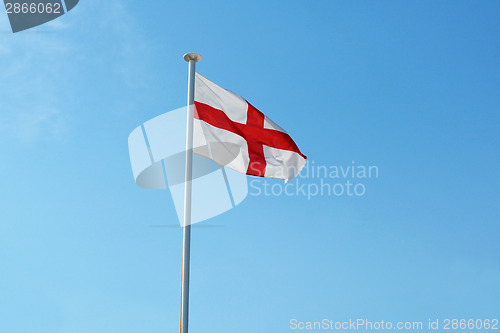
[
  {"x": 129, "y": 46},
  {"x": 40, "y": 64},
  {"x": 31, "y": 125},
  {"x": 29, "y": 97}
]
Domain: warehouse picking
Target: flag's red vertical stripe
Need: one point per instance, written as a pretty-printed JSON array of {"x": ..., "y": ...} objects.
[{"x": 255, "y": 122}]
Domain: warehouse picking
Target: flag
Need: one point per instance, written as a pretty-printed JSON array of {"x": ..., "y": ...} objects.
[{"x": 233, "y": 133}]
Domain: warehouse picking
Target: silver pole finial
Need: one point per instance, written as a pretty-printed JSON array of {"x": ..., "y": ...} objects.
[{"x": 192, "y": 56}]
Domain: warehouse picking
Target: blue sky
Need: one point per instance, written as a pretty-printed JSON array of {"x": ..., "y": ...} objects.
[{"x": 410, "y": 87}]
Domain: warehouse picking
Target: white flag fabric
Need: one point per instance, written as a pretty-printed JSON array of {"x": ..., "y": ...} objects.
[{"x": 234, "y": 134}]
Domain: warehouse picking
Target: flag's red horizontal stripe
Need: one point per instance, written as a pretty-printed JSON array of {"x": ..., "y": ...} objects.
[{"x": 250, "y": 132}]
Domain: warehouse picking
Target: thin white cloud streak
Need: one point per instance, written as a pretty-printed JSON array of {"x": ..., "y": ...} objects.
[
  {"x": 38, "y": 65},
  {"x": 29, "y": 97}
]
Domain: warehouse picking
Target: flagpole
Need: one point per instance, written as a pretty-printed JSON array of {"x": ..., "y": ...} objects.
[{"x": 192, "y": 59}]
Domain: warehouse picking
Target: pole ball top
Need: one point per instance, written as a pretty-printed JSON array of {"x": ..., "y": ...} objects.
[{"x": 192, "y": 56}]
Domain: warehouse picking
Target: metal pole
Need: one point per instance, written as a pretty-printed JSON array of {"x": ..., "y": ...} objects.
[{"x": 192, "y": 59}]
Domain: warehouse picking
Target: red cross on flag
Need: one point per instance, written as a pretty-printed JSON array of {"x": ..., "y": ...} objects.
[{"x": 233, "y": 133}]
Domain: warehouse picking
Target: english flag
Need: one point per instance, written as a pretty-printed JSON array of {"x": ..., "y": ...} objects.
[{"x": 233, "y": 133}]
